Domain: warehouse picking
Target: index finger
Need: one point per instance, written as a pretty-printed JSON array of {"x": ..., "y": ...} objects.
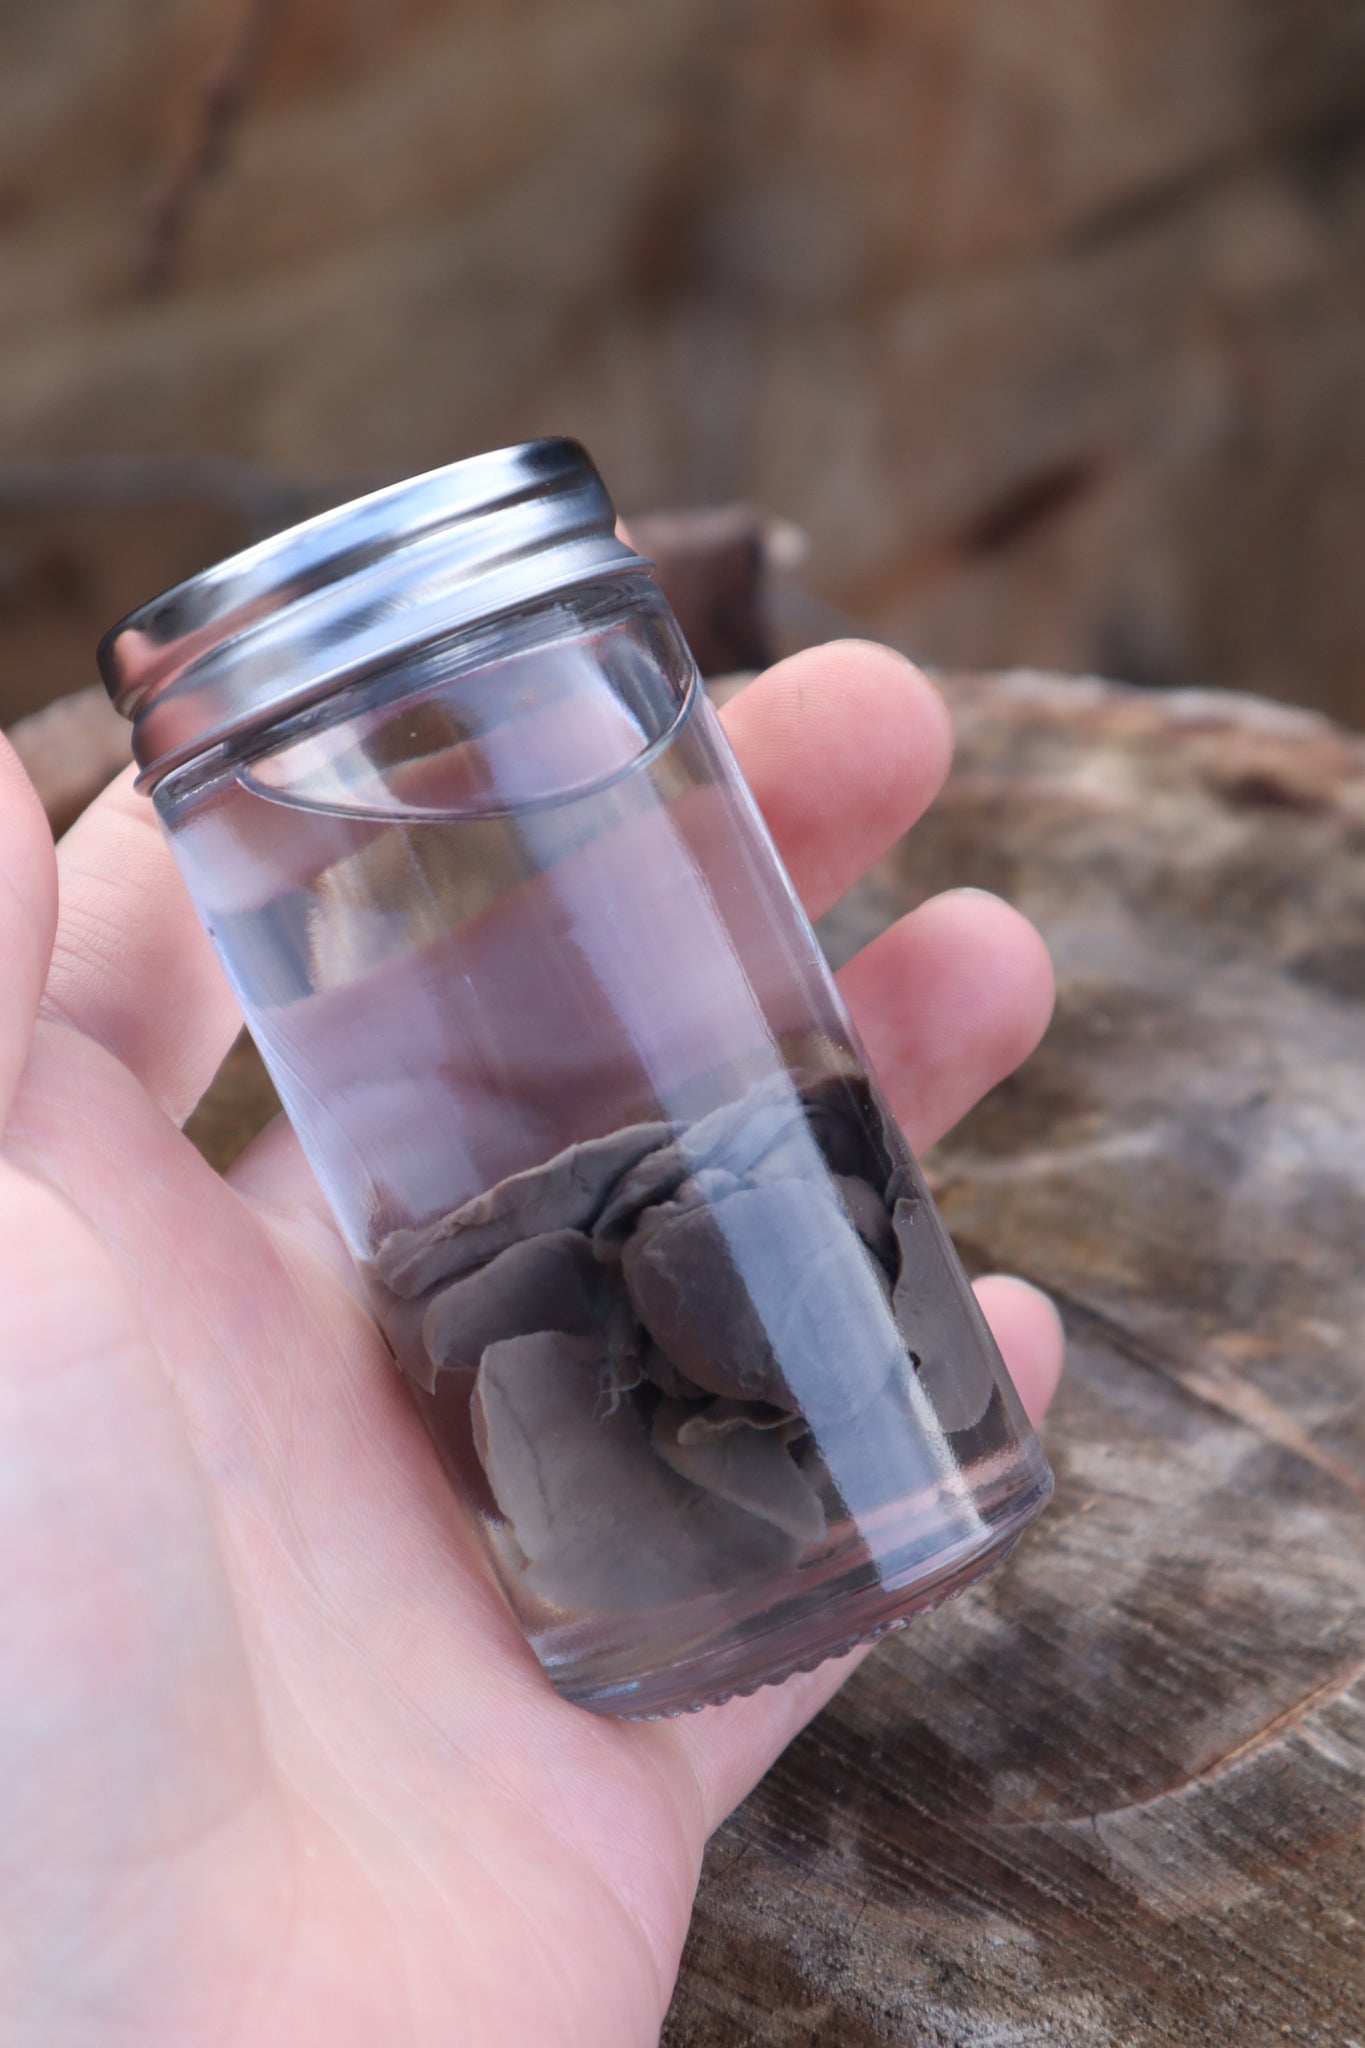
[
  {"x": 132, "y": 966},
  {"x": 844, "y": 746}
]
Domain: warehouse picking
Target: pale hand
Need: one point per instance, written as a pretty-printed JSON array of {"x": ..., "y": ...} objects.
[{"x": 278, "y": 1770}]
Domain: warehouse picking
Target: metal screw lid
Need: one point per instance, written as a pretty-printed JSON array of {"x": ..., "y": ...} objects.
[{"x": 282, "y": 624}]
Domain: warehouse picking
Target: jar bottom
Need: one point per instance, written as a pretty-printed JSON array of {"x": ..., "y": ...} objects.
[{"x": 848, "y": 1604}]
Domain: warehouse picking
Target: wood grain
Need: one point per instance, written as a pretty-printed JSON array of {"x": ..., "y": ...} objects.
[
  {"x": 1117, "y": 1794},
  {"x": 1044, "y": 321}
]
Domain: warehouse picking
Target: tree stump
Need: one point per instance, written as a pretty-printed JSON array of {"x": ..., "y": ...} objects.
[{"x": 1114, "y": 1797}]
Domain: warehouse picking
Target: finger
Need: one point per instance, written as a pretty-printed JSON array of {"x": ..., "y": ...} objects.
[
  {"x": 1029, "y": 1332},
  {"x": 28, "y": 914},
  {"x": 132, "y": 967},
  {"x": 729, "y": 1748},
  {"x": 272, "y": 1174},
  {"x": 947, "y": 1003},
  {"x": 844, "y": 747}
]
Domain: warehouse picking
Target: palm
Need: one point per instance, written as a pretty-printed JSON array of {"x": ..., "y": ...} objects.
[{"x": 279, "y": 1765}]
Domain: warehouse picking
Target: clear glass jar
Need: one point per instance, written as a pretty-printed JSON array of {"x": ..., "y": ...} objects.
[{"x": 564, "y": 1054}]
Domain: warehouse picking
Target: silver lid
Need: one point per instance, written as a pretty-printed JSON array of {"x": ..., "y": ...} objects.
[{"x": 280, "y": 625}]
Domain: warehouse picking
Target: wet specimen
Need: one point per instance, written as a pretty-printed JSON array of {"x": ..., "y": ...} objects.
[{"x": 663, "y": 1334}]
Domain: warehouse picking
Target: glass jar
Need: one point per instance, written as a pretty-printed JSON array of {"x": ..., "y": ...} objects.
[{"x": 563, "y": 1052}]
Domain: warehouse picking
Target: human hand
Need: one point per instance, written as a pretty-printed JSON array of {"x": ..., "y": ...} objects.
[{"x": 279, "y": 1769}]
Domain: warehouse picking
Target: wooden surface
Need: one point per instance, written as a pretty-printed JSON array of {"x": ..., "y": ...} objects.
[
  {"x": 1115, "y": 1797},
  {"x": 1044, "y": 319}
]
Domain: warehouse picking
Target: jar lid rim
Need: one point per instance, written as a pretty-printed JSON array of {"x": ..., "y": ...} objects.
[{"x": 280, "y": 624}]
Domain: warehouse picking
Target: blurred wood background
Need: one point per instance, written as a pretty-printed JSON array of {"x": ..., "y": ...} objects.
[{"x": 1046, "y": 322}]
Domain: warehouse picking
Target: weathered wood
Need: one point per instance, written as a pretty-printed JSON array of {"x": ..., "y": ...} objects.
[
  {"x": 205, "y": 149},
  {"x": 237, "y": 1107},
  {"x": 1115, "y": 1797},
  {"x": 713, "y": 566},
  {"x": 1043, "y": 320}
]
